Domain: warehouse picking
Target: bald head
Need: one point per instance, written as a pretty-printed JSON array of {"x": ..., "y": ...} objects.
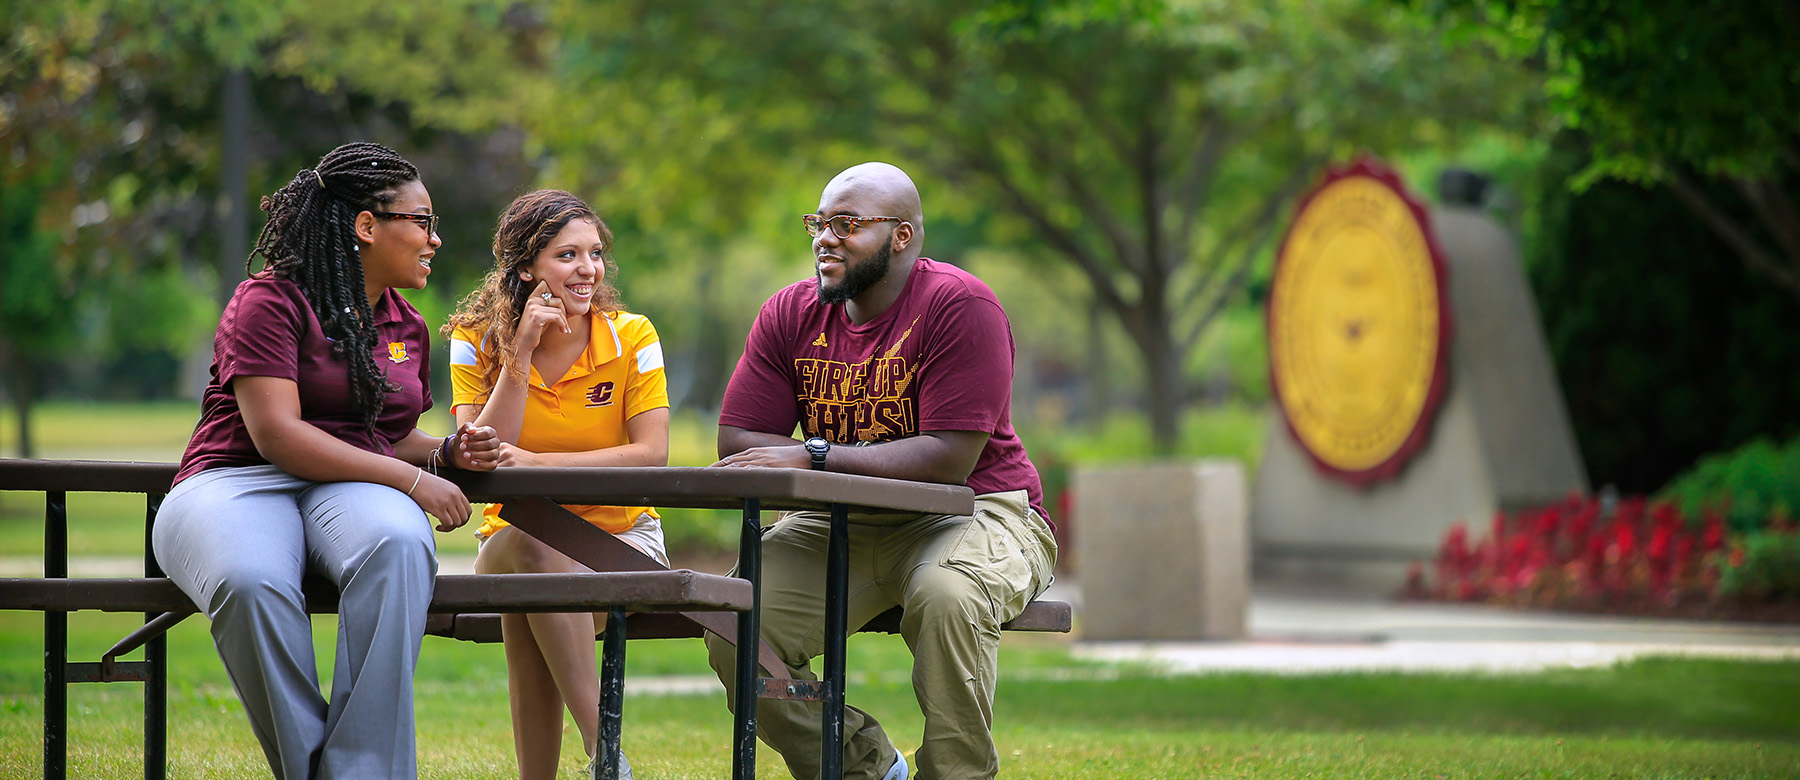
[{"x": 882, "y": 189}]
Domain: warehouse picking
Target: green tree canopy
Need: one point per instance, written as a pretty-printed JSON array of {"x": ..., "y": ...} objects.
[
  {"x": 1677, "y": 93},
  {"x": 109, "y": 119},
  {"x": 1152, "y": 145}
]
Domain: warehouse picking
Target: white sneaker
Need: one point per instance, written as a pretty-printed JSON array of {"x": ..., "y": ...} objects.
[
  {"x": 593, "y": 770},
  {"x": 898, "y": 770}
]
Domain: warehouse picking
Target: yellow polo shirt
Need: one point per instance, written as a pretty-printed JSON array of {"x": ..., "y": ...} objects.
[{"x": 617, "y": 377}]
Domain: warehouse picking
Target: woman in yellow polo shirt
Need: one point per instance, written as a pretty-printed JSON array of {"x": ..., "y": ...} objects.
[{"x": 544, "y": 352}]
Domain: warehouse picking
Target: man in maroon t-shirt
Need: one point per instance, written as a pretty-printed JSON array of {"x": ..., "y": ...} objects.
[{"x": 891, "y": 365}]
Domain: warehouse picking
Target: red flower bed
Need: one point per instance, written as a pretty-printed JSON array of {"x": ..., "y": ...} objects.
[{"x": 1640, "y": 556}]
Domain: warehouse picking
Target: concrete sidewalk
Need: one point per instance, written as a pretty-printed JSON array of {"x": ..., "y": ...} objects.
[{"x": 1298, "y": 628}]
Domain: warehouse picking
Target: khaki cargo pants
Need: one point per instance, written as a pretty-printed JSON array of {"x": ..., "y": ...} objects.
[{"x": 957, "y": 577}]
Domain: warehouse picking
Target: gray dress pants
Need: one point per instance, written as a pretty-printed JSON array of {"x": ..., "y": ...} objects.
[{"x": 238, "y": 540}]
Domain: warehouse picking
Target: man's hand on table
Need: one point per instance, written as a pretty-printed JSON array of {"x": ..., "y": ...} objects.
[{"x": 784, "y": 456}]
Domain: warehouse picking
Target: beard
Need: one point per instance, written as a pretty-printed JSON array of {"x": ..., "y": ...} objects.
[{"x": 858, "y": 278}]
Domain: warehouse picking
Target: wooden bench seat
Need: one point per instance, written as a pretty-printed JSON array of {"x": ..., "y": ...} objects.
[
  {"x": 1050, "y": 616},
  {"x": 647, "y": 592}
]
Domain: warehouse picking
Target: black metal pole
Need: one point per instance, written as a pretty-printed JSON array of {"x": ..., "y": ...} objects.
[
  {"x": 56, "y": 639},
  {"x": 749, "y": 638},
  {"x": 156, "y": 661},
  {"x": 612, "y": 694},
  {"x": 837, "y": 585}
]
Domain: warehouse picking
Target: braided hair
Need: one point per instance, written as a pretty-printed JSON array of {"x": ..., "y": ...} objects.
[
  {"x": 310, "y": 241},
  {"x": 526, "y": 227}
]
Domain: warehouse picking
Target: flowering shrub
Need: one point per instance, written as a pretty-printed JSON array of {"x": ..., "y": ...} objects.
[
  {"x": 1572, "y": 554},
  {"x": 1753, "y": 486},
  {"x": 1718, "y": 539},
  {"x": 1766, "y": 567}
]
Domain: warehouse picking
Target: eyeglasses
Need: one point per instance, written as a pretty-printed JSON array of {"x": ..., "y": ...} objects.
[
  {"x": 842, "y": 225},
  {"x": 427, "y": 221}
]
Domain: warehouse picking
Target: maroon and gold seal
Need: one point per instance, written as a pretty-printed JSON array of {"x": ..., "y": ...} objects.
[{"x": 1359, "y": 325}]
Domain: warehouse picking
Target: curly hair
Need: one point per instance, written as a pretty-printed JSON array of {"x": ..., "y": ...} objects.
[
  {"x": 310, "y": 240},
  {"x": 525, "y": 228}
]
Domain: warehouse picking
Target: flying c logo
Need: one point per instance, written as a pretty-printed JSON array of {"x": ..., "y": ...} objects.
[{"x": 600, "y": 395}]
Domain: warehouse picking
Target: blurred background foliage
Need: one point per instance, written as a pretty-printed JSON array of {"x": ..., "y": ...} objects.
[
  {"x": 1663, "y": 231},
  {"x": 1666, "y": 347},
  {"x": 1118, "y": 171}
]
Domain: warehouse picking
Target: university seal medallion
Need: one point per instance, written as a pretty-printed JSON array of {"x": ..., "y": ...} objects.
[{"x": 1359, "y": 325}]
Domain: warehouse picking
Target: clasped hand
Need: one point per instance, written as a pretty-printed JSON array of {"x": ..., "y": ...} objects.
[
  {"x": 472, "y": 447},
  {"x": 475, "y": 447}
]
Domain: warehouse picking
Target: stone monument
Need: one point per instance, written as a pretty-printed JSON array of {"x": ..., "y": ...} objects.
[{"x": 1413, "y": 385}]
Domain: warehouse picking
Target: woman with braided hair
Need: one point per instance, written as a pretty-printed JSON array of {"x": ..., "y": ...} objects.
[
  {"x": 545, "y": 354},
  {"x": 307, "y": 460}
]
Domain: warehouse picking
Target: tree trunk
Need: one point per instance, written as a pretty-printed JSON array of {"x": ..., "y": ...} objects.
[
  {"x": 19, "y": 387},
  {"x": 1165, "y": 399},
  {"x": 1153, "y": 334},
  {"x": 709, "y": 366},
  {"x": 1774, "y": 251},
  {"x": 234, "y": 183},
  {"x": 22, "y": 409},
  {"x": 1099, "y": 380}
]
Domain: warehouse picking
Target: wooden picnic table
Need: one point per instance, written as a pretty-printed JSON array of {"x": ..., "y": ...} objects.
[{"x": 532, "y": 496}]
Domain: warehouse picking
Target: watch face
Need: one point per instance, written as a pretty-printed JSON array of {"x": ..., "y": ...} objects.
[{"x": 1358, "y": 325}]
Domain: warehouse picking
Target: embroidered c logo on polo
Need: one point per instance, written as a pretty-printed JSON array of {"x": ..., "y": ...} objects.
[{"x": 600, "y": 395}]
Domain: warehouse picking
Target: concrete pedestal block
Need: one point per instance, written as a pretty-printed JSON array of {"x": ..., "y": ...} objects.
[{"x": 1164, "y": 550}]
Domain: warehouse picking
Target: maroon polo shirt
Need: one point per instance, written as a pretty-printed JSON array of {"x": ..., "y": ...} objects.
[
  {"x": 269, "y": 329},
  {"x": 939, "y": 359}
]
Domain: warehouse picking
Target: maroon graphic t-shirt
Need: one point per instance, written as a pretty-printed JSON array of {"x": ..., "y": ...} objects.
[
  {"x": 939, "y": 359},
  {"x": 268, "y": 329}
]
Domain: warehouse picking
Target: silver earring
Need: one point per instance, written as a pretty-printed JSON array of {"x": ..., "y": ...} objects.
[{"x": 525, "y": 275}]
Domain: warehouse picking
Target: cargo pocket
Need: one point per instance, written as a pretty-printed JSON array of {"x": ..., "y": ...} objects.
[
  {"x": 1039, "y": 546},
  {"x": 1003, "y": 555}
]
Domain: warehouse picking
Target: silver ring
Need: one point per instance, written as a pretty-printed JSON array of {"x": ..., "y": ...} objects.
[{"x": 546, "y": 297}]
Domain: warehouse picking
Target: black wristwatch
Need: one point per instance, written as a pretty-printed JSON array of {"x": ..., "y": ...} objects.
[{"x": 817, "y": 448}]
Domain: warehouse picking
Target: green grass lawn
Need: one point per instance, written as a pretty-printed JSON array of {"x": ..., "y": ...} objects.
[
  {"x": 1056, "y": 717},
  {"x": 109, "y": 431}
]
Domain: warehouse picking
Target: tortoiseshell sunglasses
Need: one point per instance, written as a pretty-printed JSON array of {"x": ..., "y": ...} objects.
[
  {"x": 842, "y": 225},
  {"x": 427, "y": 221}
]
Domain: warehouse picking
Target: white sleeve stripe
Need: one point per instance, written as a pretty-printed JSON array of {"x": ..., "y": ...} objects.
[
  {"x": 462, "y": 353},
  {"x": 650, "y": 358}
]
